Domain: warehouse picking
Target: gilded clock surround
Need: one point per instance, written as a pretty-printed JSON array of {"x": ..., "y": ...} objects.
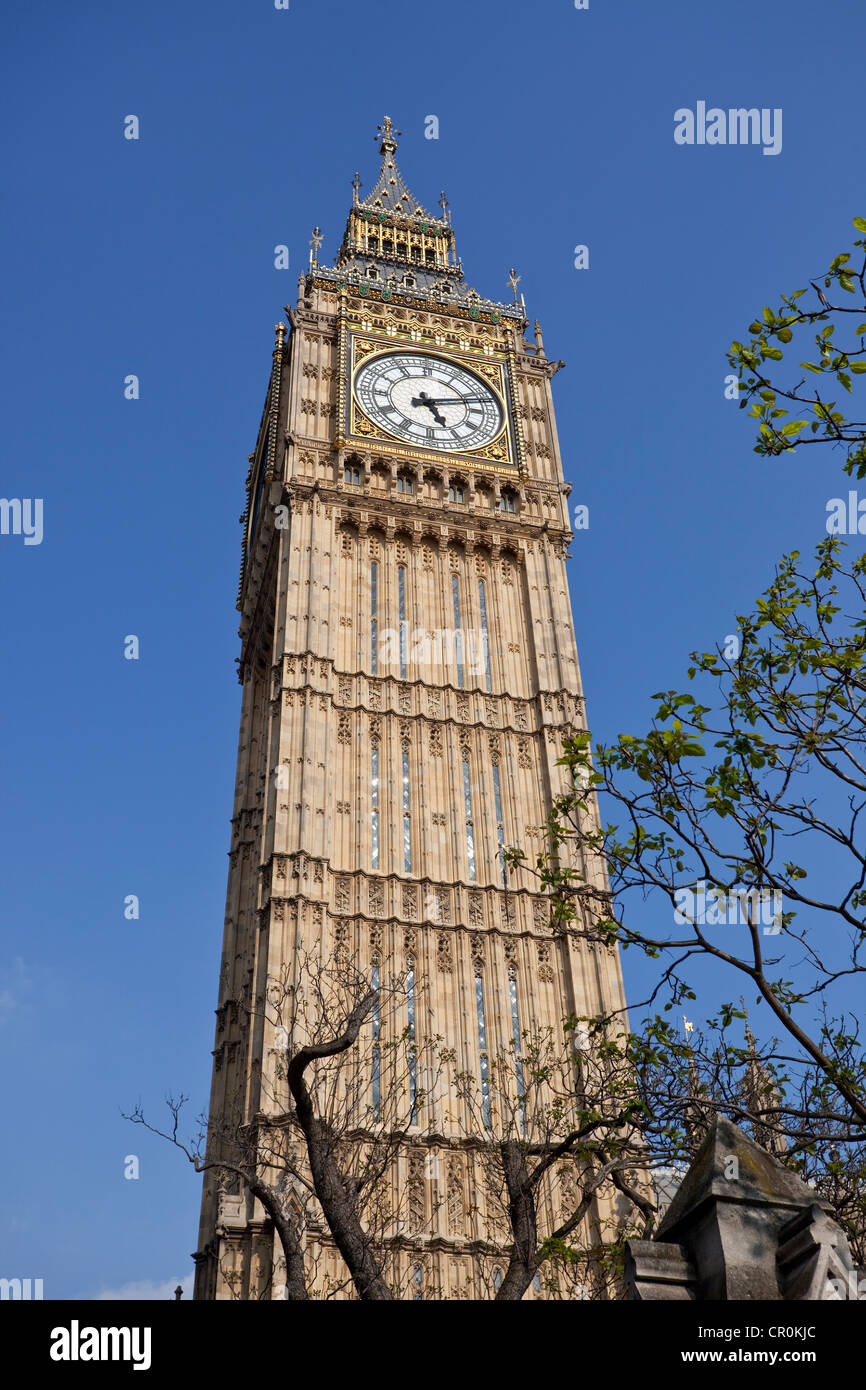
[{"x": 491, "y": 367}]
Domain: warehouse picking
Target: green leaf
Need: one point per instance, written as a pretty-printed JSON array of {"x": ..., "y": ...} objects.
[
  {"x": 860, "y": 224},
  {"x": 794, "y": 426},
  {"x": 775, "y": 353},
  {"x": 858, "y": 367},
  {"x": 784, "y": 335}
]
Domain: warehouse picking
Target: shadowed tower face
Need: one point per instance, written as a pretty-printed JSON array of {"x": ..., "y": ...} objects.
[{"x": 409, "y": 671}]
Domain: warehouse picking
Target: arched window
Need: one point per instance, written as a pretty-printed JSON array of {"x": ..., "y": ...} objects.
[
  {"x": 458, "y": 634},
  {"x": 515, "y": 1036},
  {"x": 497, "y": 1279},
  {"x": 485, "y": 638},
  {"x": 374, "y": 618},
  {"x": 410, "y": 1036},
  {"x": 467, "y": 807},
  {"x": 455, "y": 493},
  {"x": 417, "y": 1280},
  {"x": 404, "y": 626},
  {"x": 407, "y": 821},
  {"x": 374, "y": 806},
  {"x": 507, "y": 501},
  {"x": 352, "y": 476},
  {"x": 482, "y": 1048},
  {"x": 377, "y": 1059},
  {"x": 404, "y": 482},
  {"x": 500, "y": 827}
]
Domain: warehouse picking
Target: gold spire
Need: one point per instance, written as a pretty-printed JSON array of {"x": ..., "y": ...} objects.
[{"x": 387, "y": 136}]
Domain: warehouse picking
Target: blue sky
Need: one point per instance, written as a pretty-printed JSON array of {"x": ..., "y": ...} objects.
[{"x": 156, "y": 258}]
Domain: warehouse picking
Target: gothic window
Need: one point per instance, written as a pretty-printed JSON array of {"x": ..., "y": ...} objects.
[
  {"x": 482, "y": 1048},
  {"x": 497, "y": 1279},
  {"x": 353, "y": 476},
  {"x": 506, "y": 501},
  {"x": 404, "y": 482},
  {"x": 377, "y": 1062},
  {"x": 467, "y": 806},
  {"x": 372, "y": 272},
  {"x": 455, "y": 493},
  {"x": 410, "y": 1037},
  {"x": 409, "y": 281},
  {"x": 485, "y": 641},
  {"x": 374, "y": 802},
  {"x": 374, "y": 618},
  {"x": 458, "y": 635},
  {"x": 536, "y": 1283},
  {"x": 515, "y": 1034},
  {"x": 407, "y": 824},
  {"x": 417, "y": 1280},
  {"x": 500, "y": 829},
  {"x": 401, "y": 599}
]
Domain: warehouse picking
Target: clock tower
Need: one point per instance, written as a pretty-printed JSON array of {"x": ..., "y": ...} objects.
[{"x": 409, "y": 672}]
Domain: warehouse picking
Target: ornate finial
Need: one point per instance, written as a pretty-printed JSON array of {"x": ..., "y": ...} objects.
[
  {"x": 387, "y": 136},
  {"x": 514, "y": 281},
  {"x": 444, "y": 205},
  {"x": 315, "y": 242},
  {"x": 356, "y": 184},
  {"x": 280, "y": 330}
]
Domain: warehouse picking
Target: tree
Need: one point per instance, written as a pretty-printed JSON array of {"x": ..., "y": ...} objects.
[
  {"x": 716, "y": 804},
  {"x": 836, "y": 362},
  {"x": 322, "y": 1141}
]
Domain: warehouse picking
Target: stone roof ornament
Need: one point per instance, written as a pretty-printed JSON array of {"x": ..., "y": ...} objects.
[{"x": 742, "y": 1226}]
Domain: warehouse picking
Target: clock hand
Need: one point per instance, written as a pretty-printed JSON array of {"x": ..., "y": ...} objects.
[
  {"x": 424, "y": 399},
  {"x": 447, "y": 400}
]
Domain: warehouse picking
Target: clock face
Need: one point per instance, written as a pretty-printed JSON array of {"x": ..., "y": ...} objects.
[{"x": 428, "y": 401}]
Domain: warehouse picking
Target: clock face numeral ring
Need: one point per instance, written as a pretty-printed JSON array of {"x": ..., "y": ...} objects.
[{"x": 429, "y": 401}]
